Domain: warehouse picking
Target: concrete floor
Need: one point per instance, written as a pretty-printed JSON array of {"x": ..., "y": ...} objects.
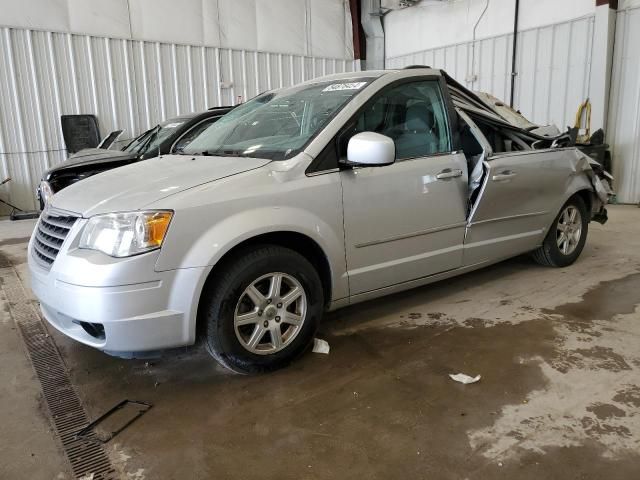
[{"x": 558, "y": 351}]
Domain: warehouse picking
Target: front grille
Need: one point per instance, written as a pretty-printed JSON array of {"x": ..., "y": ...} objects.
[{"x": 52, "y": 230}]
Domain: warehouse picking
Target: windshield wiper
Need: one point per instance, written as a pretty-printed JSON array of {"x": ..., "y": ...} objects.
[
  {"x": 152, "y": 136},
  {"x": 221, "y": 153}
]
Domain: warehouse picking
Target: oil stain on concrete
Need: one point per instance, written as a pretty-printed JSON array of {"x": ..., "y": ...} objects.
[{"x": 591, "y": 393}]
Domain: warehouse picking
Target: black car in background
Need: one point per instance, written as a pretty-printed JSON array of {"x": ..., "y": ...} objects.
[{"x": 169, "y": 136}]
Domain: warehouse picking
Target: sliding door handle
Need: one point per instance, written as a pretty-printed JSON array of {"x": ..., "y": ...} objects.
[
  {"x": 449, "y": 173},
  {"x": 503, "y": 176}
]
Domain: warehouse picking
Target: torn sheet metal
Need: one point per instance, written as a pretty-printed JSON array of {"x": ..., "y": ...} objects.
[
  {"x": 516, "y": 118},
  {"x": 506, "y": 130},
  {"x": 599, "y": 177},
  {"x": 505, "y": 111},
  {"x": 480, "y": 108},
  {"x": 547, "y": 131},
  {"x": 477, "y": 173}
]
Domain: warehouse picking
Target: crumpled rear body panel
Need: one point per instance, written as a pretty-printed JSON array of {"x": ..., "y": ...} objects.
[{"x": 536, "y": 161}]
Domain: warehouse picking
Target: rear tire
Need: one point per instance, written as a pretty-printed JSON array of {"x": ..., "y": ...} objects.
[
  {"x": 262, "y": 310},
  {"x": 566, "y": 237}
]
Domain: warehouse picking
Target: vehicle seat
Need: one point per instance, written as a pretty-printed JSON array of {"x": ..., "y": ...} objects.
[{"x": 417, "y": 138}]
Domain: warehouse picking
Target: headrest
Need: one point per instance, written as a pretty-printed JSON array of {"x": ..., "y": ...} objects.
[{"x": 419, "y": 118}]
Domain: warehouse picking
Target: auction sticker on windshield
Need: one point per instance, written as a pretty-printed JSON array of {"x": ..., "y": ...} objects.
[{"x": 345, "y": 86}]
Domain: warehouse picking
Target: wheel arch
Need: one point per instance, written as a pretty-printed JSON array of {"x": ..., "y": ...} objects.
[
  {"x": 585, "y": 193},
  {"x": 547, "y": 253},
  {"x": 587, "y": 198},
  {"x": 296, "y": 241},
  {"x": 578, "y": 185}
]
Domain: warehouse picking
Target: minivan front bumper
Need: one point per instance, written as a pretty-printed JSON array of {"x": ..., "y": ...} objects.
[{"x": 117, "y": 305}]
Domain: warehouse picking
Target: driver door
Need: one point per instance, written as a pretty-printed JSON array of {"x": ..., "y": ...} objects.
[{"x": 407, "y": 220}]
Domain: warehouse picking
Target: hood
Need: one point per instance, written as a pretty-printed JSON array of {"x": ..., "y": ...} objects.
[
  {"x": 140, "y": 184},
  {"x": 93, "y": 156}
]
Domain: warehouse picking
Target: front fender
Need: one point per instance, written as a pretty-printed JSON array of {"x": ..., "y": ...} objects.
[{"x": 217, "y": 240}]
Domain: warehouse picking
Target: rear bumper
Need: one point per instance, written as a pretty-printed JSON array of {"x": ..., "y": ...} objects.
[{"x": 119, "y": 316}]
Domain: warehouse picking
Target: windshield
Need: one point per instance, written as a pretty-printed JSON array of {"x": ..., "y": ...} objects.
[
  {"x": 150, "y": 139},
  {"x": 276, "y": 125}
]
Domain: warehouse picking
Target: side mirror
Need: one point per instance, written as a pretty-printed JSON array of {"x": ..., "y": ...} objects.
[{"x": 370, "y": 149}]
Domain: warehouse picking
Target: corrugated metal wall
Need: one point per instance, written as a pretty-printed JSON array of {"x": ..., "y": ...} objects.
[
  {"x": 554, "y": 65},
  {"x": 128, "y": 84},
  {"x": 553, "y": 68},
  {"x": 624, "y": 107}
]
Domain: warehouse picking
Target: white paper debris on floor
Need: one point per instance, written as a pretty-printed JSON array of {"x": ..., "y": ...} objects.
[
  {"x": 466, "y": 379},
  {"x": 320, "y": 346}
]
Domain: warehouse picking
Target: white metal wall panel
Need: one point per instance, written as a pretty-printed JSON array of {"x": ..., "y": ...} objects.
[
  {"x": 129, "y": 84},
  {"x": 624, "y": 108},
  {"x": 553, "y": 68},
  {"x": 104, "y": 18},
  {"x": 231, "y": 23},
  {"x": 319, "y": 28},
  {"x": 167, "y": 20},
  {"x": 433, "y": 24}
]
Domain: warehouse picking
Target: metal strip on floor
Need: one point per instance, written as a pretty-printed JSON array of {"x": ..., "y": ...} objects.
[{"x": 86, "y": 457}]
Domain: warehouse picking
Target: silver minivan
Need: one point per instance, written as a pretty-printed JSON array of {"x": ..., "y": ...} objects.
[{"x": 304, "y": 200}]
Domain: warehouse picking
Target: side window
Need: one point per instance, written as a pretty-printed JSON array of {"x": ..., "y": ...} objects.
[
  {"x": 412, "y": 114},
  {"x": 188, "y": 137}
]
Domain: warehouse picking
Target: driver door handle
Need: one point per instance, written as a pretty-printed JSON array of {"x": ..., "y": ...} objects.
[
  {"x": 449, "y": 173},
  {"x": 504, "y": 175}
]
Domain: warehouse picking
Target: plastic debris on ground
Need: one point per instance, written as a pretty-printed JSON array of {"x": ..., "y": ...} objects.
[
  {"x": 466, "y": 379},
  {"x": 320, "y": 346}
]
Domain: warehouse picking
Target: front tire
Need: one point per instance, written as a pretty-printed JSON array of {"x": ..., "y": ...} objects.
[
  {"x": 262, "y": 310},
  {"x": 567, "y": 236}
]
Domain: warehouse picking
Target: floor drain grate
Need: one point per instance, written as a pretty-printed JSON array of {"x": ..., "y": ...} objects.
[{"x": 86, "y": 456}]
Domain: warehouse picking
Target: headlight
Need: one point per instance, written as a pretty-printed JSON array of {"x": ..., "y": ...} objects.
[
  {"x": 46, "y": 192},
  {"x": 126, "y": 234}
]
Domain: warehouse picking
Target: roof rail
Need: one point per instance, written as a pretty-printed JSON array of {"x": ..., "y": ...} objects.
[{"x": 412, "y": 67}]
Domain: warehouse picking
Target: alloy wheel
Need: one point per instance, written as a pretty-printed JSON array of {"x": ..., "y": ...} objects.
[
  {"x": 270, "y": 313},
  {"x": 569, "y": 230}
]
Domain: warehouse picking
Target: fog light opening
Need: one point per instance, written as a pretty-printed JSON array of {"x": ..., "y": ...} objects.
[{"x": 96, "y": 330}]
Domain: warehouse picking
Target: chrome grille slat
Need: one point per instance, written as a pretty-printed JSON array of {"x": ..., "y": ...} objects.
[
  {"x": 47, "y": 240},
  {"x": 51, "y": 232},
  {"x": 44, "y": 255},
  {"x": 42, "y": 260},
  {"x": 55, "y": 228},
  {"x": 61, "y": 222},
  {"x": 45, "y": 249}
]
